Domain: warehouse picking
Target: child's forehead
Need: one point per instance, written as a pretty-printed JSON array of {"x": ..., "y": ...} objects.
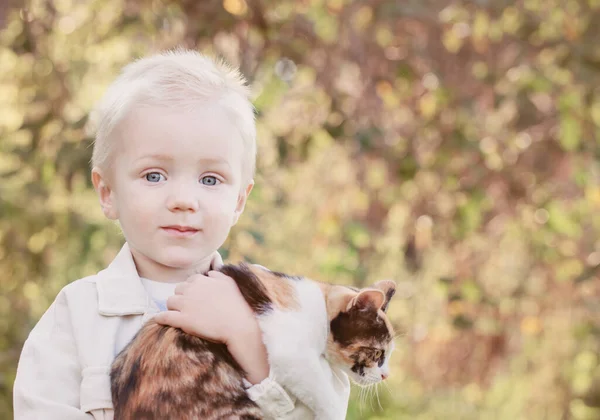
[
  {"x": 166, "y": 131},
  {"x": 158, "y": 119}
]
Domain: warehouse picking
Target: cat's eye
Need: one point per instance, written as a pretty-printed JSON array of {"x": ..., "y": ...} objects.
[{"x": 377, "y": 354}]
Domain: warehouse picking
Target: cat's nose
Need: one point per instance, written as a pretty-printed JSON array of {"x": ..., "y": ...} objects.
[{"x": 384, "y": 376}]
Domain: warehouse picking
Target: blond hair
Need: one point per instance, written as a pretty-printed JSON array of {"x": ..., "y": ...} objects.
[{"x": 177, "y": 78}]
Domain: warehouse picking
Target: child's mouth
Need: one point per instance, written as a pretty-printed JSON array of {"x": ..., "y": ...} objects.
[{"x": 180, "y": 231}]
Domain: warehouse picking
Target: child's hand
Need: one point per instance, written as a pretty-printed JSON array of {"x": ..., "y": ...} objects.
[
  {"x": 209, "y": 306},
  {"x": 213, "y": 308}
]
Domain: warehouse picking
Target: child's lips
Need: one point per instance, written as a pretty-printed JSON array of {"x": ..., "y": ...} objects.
[{"x": 180, "y": 231}]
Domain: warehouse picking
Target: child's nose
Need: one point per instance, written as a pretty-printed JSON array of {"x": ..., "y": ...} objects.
[{"x": 182, "y": 199}]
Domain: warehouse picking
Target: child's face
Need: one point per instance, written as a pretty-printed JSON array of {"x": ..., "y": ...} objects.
[{"x": 176, "y": 186}]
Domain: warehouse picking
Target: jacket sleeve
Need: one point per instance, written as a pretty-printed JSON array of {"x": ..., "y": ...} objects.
[
  {"x": 47, "y": 384},
  {"x": 272, "y": 399},
  {"x": 276, "y": 403}
]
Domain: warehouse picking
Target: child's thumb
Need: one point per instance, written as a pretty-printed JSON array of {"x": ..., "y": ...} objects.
[{"x": 216, "y": 262}]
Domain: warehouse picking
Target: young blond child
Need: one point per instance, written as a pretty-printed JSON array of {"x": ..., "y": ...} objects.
[{"x": 173, "y": 162}]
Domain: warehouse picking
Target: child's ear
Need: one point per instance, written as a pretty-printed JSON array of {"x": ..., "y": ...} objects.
[
  {"x": 105, "y": 194},
  {"x": 241, "y": 203}
]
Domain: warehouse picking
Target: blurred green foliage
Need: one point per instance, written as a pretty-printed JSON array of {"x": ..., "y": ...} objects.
[{"x": 452, "y": 146}]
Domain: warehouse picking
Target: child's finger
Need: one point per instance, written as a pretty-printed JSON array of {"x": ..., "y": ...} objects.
[
  {"x": 175, "y": 303},
  {"x": 216, "y": 274},
  {"x": 181, "y": 288},
  {"x": 171, "y": 318}
]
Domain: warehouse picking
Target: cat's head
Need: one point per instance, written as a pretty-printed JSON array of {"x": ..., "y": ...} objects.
[{"x": 361, "y": 337}]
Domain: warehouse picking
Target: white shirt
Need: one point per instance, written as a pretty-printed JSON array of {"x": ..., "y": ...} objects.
[{"x": 159, "y": 291}]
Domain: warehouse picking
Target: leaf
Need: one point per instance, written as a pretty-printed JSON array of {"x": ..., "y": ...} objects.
[
  {"x": 570, "y": 132},
  {"x": 561, "y": 221}
]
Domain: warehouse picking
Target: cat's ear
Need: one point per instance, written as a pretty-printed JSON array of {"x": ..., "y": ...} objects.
[
  {"x": 388, "y": 287},
  {"x": 337, "y": 300},
  {"x": 367, "y": 299}
]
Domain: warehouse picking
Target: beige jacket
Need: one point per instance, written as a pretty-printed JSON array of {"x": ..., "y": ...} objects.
[{"x": 63, "y": 371}]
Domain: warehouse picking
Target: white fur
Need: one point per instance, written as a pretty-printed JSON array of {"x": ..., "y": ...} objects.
[
  {"x": 179, "y": 78},
  {"x": 296, "y": 342}
]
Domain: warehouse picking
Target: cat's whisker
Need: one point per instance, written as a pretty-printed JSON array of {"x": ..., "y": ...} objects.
[
  {"x": 371, "y": 397},
  {"x": 388, "y": 389},
  {"x": 362, "y": 398},
  {"x": 377, "y": 395},
  {"x": 368, "y": 396}
]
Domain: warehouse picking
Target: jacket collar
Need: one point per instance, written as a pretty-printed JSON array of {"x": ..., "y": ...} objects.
[{"x": 120, "y": 290}]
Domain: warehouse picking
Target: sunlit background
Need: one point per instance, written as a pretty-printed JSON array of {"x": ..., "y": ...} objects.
[{"x": 449, "y": 145}]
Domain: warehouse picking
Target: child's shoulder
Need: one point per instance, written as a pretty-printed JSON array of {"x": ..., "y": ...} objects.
[
  {"x": 78, "y": 290},
  {"x": 88, "y": 282},
  {"x": 75, "y": 302}
]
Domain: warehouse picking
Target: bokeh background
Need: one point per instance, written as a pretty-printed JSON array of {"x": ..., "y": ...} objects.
[{"x": 452, "y": 146}]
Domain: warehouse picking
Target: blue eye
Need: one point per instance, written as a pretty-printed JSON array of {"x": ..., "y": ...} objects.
[
  {"x": 209, "y": 180},
  {"x": 153, "y": 177}
]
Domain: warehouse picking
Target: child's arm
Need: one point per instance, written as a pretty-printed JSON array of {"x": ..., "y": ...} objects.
[
  {"x": 48, "y": 379},
  {"x": 249, "y": 351},
  {"x": 212, "y": 307}
]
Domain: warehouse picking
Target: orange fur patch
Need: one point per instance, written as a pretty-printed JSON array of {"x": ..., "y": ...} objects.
[{"x": 280, "y": 289}]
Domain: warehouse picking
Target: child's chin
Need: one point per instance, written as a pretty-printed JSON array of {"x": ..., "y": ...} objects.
[
  {"x": 182, "y": 265},
  {"x": 178, "y": 261}
]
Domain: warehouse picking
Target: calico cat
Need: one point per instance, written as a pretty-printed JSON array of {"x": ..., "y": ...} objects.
[{"x": 164, "y": 373}]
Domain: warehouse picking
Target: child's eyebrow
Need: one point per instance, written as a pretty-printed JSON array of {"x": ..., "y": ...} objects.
[
  {"x": 167, "y": 158},
  {"x": 218, "y": 164},
  {"x": 160, "y": 157},
  {"x": 214, "y": 161}
]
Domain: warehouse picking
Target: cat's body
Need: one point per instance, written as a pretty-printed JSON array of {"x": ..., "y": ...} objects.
[{"x": 166, "y": 373}]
